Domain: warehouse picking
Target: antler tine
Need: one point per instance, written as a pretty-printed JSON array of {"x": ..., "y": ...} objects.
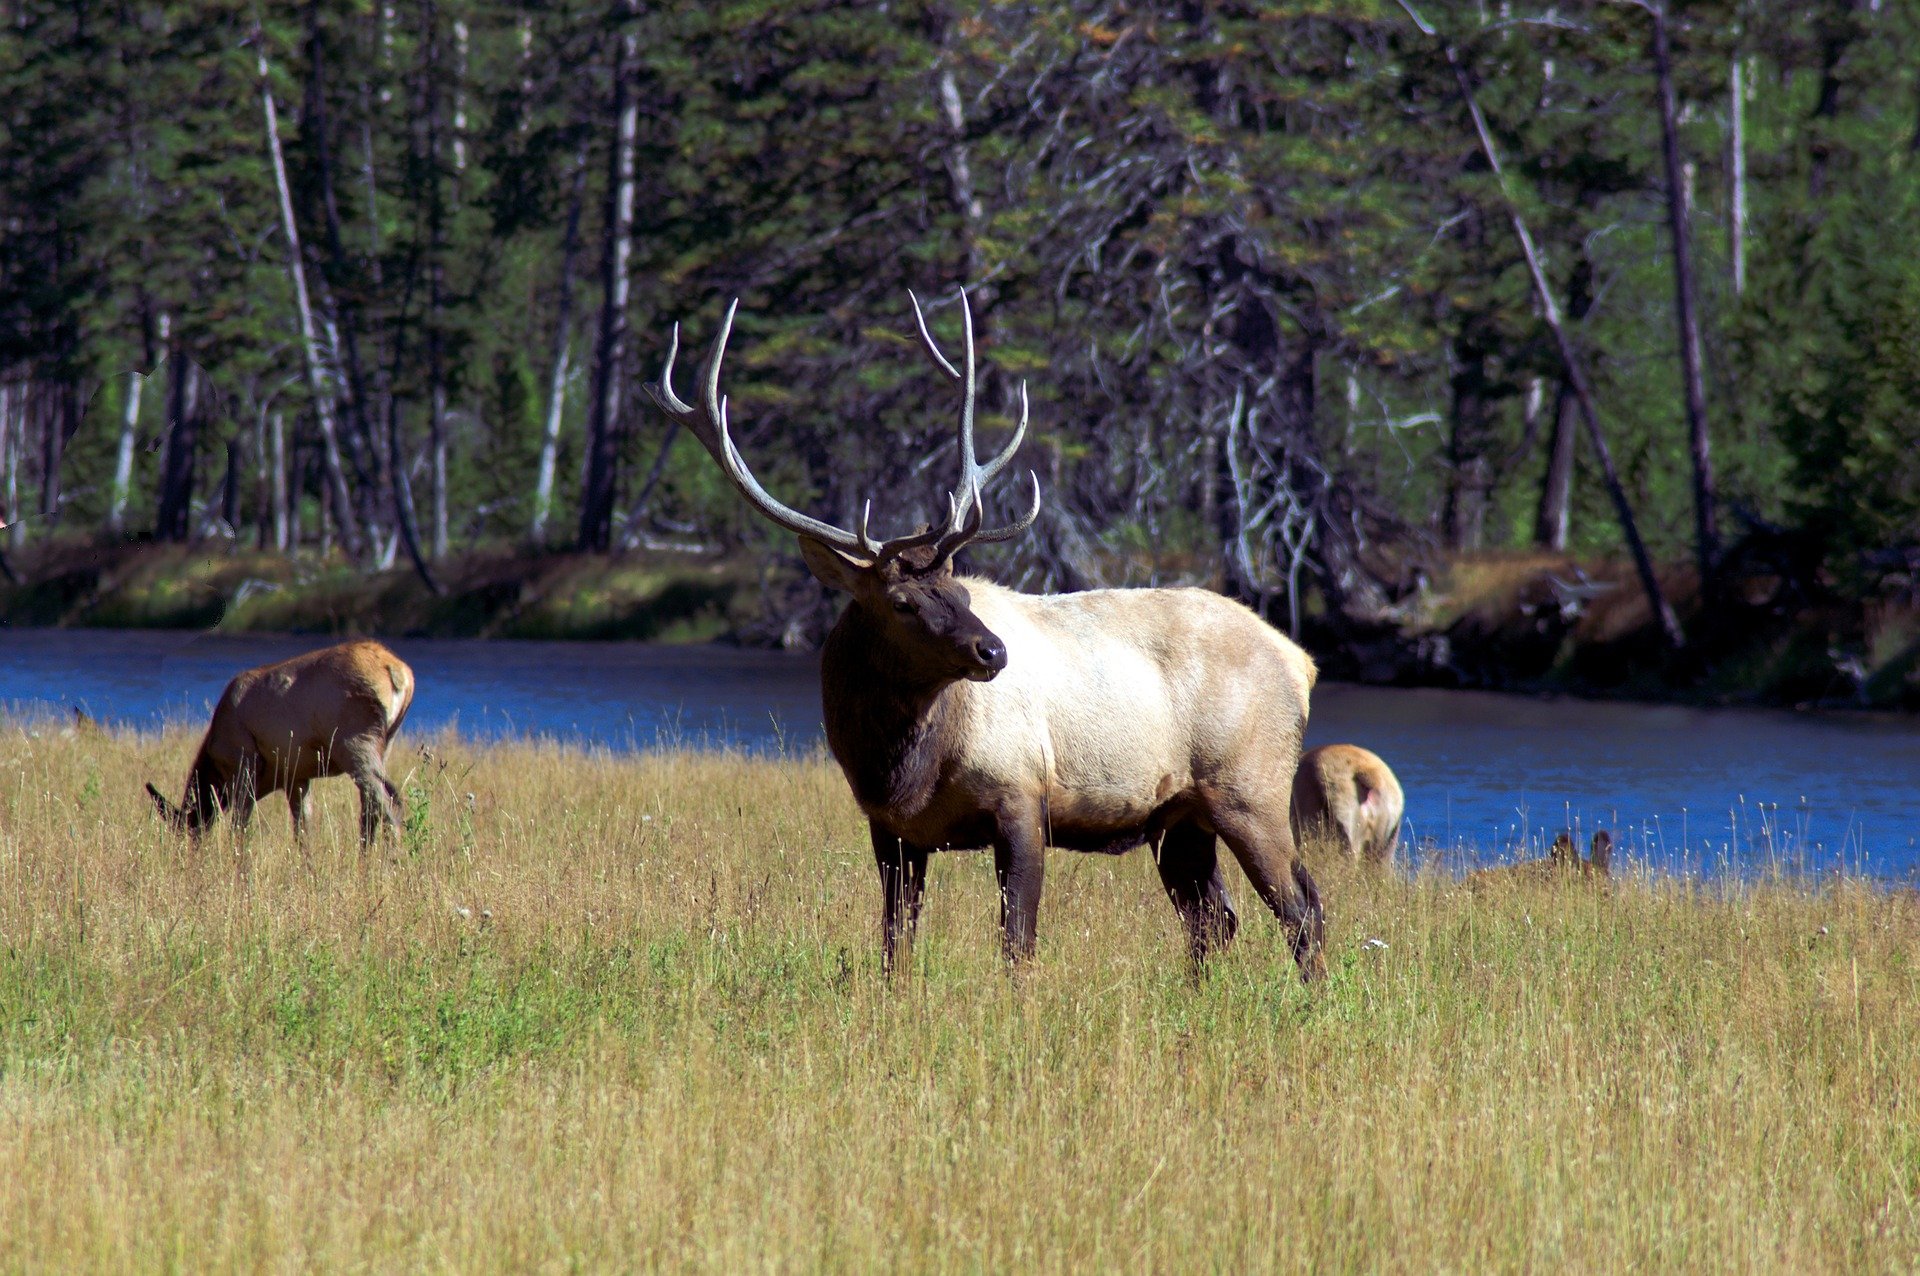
[
  {"x": 662, "y": 393},
  {"x": 999, "y": 462},
  {"x": 1018, "y": 525},
  {"x": 965, "y": 506},
  {"x": 970, "y": 465},
  {"x": 710, "y": 382},
  {"x": 708, "y": 423},
  {"x": 926, "y": 338}
]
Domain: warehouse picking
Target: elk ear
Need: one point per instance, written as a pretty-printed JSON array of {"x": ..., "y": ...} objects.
[
  {"x": 829, "y": 566},
  {"x": 1601, "y": 856},
  {"x": 168, "y": 811}
]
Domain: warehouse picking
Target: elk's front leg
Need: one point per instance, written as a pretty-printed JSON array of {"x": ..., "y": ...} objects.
[
  {"x": 1189, "y": 863},
  {"x": 1019, "y": 861},
  {"x": 903, "y": 880},
  {"x": 297, "y": 807}
]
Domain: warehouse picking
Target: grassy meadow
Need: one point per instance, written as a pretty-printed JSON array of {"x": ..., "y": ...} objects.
[{"x": 606, "y": 1011}]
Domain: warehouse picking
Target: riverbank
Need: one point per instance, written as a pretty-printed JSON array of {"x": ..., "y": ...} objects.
[
  {"x": 607, "y": 1010},
  {"x": 654, "y": 596},
  {"x": 1545, "y": 623},
  {"x": 1534, "y": 623}
]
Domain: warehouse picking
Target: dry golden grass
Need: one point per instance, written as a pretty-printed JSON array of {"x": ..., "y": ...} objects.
[{"x": 657, "y": 1036}]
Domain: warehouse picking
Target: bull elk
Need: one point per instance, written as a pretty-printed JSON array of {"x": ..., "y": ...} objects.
[
  {"x": 967, "y": 716},
  {"x": 282, "y": 726},
  {"x": 1347, "y": 793}
]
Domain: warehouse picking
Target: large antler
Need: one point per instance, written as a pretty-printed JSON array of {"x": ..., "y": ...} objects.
[
  {"x": 708, "y": 423},
  {"x": 964, "y": 514}
]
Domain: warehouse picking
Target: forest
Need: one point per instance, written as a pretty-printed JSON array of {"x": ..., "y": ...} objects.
[{"x": 1459, "y": 338}]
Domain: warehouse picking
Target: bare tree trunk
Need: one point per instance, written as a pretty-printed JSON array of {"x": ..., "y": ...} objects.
[
  {"x": 596, "y": 501},
  {"x": 297, "y": 484},
  {"x": 459, "y": 97},
  {"x": 174, "y": 507},
  {"x": 326, "y": 514},
  {"x": 562, "y": 351},
  {"x": 8, "y": 522},
  {"x": 436, "y": 225},
  {"x": 262, "y": 484},
  {"x": 1470, "y": 483},
  {"x": 630, "y": 533},
  {"x": 960, "y": 173},
  {"x": 1550, "y": 523},
  {"x": 123, "y": 455},
  {"x": 1737, "y": 228},
  {"x": 55, "y": 403},
  {"x": 9, "y": 483},
  {"x": 1706, "y": 528},
  {"x": 437, "y": 435},
  {"x": 285, "y": 530},
  {"x": 363, "y": 447},
  {"x": 317, "y": 380},
  {"x": 230, "y": 489},
  {"x": 1576, "y": 376}
]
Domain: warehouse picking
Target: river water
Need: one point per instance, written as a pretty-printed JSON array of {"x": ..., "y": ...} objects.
[{"x": 1486, "y": 776}]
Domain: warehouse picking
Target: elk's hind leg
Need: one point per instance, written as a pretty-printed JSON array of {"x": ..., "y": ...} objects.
[
  {"x": 1262, "y": 842},
  {"x": 379, "y": 798},
  {"x": 1189, "y": 863},
  {"x": 903, "y": 882}
]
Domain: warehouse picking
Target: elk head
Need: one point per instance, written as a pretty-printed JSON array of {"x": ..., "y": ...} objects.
[
  {"x": 195, "y": 813},
  {"x": 1561, "y": 854},
  {"x": 903, "y": 586}
]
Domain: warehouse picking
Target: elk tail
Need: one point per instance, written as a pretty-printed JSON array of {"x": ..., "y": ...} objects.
[{"x": 401, "y": 679}]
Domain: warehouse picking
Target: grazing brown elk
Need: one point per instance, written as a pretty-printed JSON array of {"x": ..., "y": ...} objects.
[
  {"x": 280, "y": 727},
  {"x": 966, "y": 715},
  {"x": 1562, "y": 864},
  {"x": 1345, "y": 792}
]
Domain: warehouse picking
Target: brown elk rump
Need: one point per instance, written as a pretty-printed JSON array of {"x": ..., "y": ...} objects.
[
  {"x": 968, "y": 715},
  {"x": 282, "y": 726},
  {"x": 1350, "y": 795}
]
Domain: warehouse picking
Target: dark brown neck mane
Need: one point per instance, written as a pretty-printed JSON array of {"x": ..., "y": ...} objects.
[{"x": 884, "y": 721}]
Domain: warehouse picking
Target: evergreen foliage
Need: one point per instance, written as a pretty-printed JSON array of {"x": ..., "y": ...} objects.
[{"x": 1248, "y": 258}]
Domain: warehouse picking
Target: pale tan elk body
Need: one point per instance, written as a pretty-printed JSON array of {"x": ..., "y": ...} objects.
[
  {"x": 966, "y": 715},
  {"x": 1349, "y": 794},
  {"x": 282, "y": 726}
]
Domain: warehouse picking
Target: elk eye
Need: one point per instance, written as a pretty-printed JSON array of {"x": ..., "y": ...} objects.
[{"x": 903, "y": 605}]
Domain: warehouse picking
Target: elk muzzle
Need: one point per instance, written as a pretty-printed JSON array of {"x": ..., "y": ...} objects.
[
  {"x": 989, "y": 657},
  {"x": 175, "y": 817}
]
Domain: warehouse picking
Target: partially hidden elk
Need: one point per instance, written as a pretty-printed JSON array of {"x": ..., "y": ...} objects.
[
  {"x": 282, "y": 726},
  {"x": 1349, "y": 795},
  {"x": 968, "y": 716},
  {"x": 1562, "y": 863}
]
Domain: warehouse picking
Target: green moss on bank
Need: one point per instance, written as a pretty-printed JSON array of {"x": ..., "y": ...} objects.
[{"x": 651, "y": 596}]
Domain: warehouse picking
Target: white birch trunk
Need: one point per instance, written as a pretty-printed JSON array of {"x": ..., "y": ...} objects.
[
  {"x": 123, "y": 455},
  {"x": 277, "y": 459},
  {"x": 13, "y": 423},
  {"x": 1737, "y": 230},
  {"x": 317, "y": 375},
  {"x": 459, "y": 95},
  {"x": 439, "y": 432},
  {"x": 550, "y": 441}
]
